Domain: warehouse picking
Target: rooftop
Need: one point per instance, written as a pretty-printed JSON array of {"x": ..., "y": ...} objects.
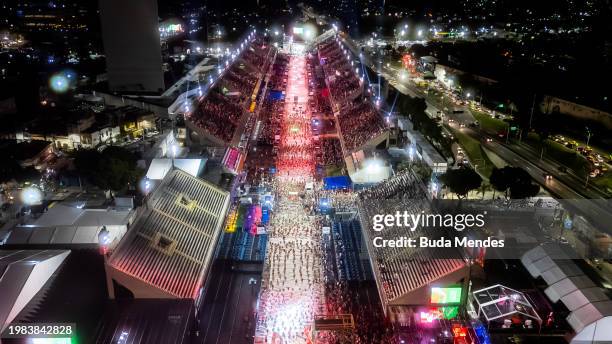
[{"x": 171, "y": 245}]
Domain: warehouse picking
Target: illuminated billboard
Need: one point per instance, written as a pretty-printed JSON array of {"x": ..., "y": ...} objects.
[
  {"x": 447, "y": 295},
  {"x": 438, "y": 313},
  {"x": 298, "y": 30}
]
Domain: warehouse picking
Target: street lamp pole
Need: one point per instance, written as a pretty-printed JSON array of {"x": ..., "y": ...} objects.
[
  {"x": 588, "y": 136},
  {"x": 532, "y": 108}
]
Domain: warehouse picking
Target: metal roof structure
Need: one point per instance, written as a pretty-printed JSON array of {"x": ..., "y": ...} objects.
[
  {"x": 22, "y": 274},
  {"x": 590, "y": 308},
  {"x": 500, "y": 302},
  {"x": 66, "y": 225},
  {"x": 160, "y": 167},
  {"x": 172, "y": 243}
]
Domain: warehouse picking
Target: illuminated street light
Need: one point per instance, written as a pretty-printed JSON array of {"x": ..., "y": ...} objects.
[
  {"x": 59, "y": 83},
  {"x": 31, "y": 195}
]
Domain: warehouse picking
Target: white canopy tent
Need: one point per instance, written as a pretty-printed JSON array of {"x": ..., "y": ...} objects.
[{"x": 590, "y": 308}]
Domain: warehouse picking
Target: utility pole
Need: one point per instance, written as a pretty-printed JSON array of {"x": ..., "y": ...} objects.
[
  {"x": 588, "y": 136},
  {"x": 532, "y": 108},
  {"x": 507, "y": 132}
]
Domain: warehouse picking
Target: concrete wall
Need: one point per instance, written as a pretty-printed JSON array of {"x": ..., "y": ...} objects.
[{"x": 557, "y": 105}]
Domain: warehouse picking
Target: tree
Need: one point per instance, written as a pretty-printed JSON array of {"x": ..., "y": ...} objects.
[
  {"x": 113, "y": 169},
  {"x": 514, "y": 182},
  {"x": 500, "y": 179},
  {"x": 11, "y": 170},
  {"x": 522, "y": 185},
  {"x": 461, "y": 181}
]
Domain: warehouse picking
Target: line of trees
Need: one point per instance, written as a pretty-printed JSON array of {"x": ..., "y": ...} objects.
[{"x": 513, "y": 182}]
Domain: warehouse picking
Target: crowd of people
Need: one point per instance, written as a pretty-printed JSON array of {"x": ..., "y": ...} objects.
[
  {"x": 343, "y": 298},
  {"x": 296, "y": 284},
  {"x": 292, "y": 288},
  {"x": 218, "y": 115},
  {"x": 330, "y": 153},
  {"x": 221, "y": 111},
  {"x": 359, "y": 124},
  {"x": 358, "y": 120}
]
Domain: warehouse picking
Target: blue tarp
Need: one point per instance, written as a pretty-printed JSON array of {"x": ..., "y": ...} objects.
[
  {"x": 276, "y": 95},
  {"x": 265, "y": 215},
  {"x": 338, "y": 182}
]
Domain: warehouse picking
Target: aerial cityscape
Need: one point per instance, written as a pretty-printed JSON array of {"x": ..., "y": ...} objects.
[{"x": 305, "y": 172}]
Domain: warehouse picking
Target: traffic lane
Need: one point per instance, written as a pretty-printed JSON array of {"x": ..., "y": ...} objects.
[
  {"x": 548, "y": 167},
  {"x": 227, "y": 312},
  {"x": 553, "y": 167},
  {"x": 591, "y": 210}
]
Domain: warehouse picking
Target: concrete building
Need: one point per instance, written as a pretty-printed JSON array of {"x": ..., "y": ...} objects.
[{"x": 130, "y": 31}]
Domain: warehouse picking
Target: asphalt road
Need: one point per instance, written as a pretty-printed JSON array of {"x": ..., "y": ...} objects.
[
  {"x": 227, "y": 312},
  {"x": 597, "y": 211}
]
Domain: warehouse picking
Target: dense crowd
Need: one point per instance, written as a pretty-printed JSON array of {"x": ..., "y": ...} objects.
[
  {"x": 403, "y": 185},
  {"x": 359, "y": 121},
  {"x": 220, "y": 113},
  {"x": 360, "y": 124},
  {"x": 292, "y": 291},
  {"x": 330, "y": 153}
]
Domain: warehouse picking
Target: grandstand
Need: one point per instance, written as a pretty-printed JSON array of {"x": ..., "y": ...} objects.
[
  {"x": 360, "y": 125},
  {"x": 347, "y": 246},
  {"x": 168, "y": 251},
  {"x": 404, "y": 275},
  {"x": 220, "y": 116},
  {"x": 243, "y": 247}
]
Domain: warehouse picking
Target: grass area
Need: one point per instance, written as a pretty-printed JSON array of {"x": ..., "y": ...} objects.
[
  {"x": 488, "y": 123},
  {"x": 473, "y": 149}
]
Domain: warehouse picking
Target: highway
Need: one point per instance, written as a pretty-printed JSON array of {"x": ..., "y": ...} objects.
[{"x": 570, "y": 189}]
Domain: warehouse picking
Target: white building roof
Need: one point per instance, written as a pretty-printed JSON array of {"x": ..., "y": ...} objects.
[
  {"x": 22, "y": 274},
  {"x": 160, "y": 167},
  {"x": 62, "y": 215},
  {"x": 63, "y": 224}
]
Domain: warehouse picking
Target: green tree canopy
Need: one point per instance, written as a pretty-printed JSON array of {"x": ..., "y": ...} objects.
[
  {"x": 461, "y": 181},
  {"x": 113, "y": 169},
  {"x": 514, "y": 182}
]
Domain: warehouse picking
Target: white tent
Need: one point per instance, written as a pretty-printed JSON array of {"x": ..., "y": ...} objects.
[{"x": 590, "y": 307}]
